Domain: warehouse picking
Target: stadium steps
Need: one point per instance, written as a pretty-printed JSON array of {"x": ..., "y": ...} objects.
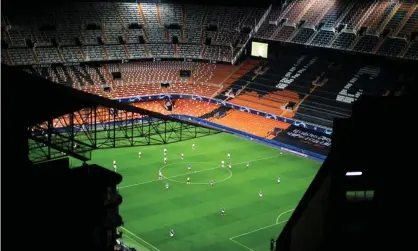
[
  {"x": 103, "y": 35},
  {"x": 128, "y": 54},
  {"x": 77, "y": 76},
  {"x": 146, "y": 50},
  {"x": 404, "y": 50},
  {"x": 167, "y": 35},
  {"x": 183, "y": 12},
  {"x": 175, "y": 48},
  {"x": 203, "y": 51},
  {"x": 9, "y": 59},
  {"x": 60, "y": 54},
  {"x": 376, "y": 48},
  {"x": 304, "y": 11},
  {"x": 212, "y": 113},
  {"x": 159, "y": 15},
  {"x": 59, "y": 77},
  {"x": 144, "y": 20},
  {"x": 82, "y": 53},
  {"x": 108, "y": 74},
  {"x": 101, "y": 77},
  {"x": 86, "y": 75},
  {"x": 386, "y": 21},
  {"x": 201, "y": 25},
  {"x": 35, "y": 57},
  {"x": 406, "y": 18},
  {"x": 106, "y": 53},
  {"x": 119, "y": 16},
  {"x": 241, "y": 71},
  {"x": 68, "y": 77}
]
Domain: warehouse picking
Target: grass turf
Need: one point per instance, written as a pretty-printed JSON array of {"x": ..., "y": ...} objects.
[{"x": 193, "y": 211}]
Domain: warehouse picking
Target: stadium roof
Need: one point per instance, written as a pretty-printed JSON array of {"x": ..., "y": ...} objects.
[{"x": 35, "y": 99}]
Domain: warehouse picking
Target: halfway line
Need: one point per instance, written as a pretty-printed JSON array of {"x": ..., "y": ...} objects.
[{"x": 184, "y": 174}]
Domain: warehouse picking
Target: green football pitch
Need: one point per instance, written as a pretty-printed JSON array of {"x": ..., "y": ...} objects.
[{"x": 150, "y": 211}]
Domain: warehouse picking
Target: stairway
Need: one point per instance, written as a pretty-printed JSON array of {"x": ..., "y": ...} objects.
[
  {"x": 146, "y": 50},
  {"x": 68, "y": 77},
  {"x": 60, "y": 54},
  {"x": 101, "y": 77},
  {"x": 406, "y": 18},
  {"x": 128, "y": 54},
  {"x": 77, "y": 75},
  {"x": 106, "y": 53},
  {"x": 212, "y": 113},
  {"x": 82, "y": 53},
  {"x": 159, "y": 15},
  {"x": 203, "y": 51},
  {"x": 144, "y": 20},
  {"x": 86, "y": 75},
  {"x": 57, "y": 75},
  {"x": 175, "y": 47},
  {"x": 9, "y": 59},
  {"x": 388, "y": 18},
  {"x": 35, "y": 57}
]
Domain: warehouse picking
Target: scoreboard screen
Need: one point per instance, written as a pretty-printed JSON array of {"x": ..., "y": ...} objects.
[{"x": 259, "y": 49}]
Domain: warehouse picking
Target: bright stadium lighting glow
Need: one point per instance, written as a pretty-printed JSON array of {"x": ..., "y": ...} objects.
[
  {"x": 259, "y": 49},
  {"x": 353, "y": 173}
]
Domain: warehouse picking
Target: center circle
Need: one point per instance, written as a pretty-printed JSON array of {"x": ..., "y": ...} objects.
[{"x": 201, "y": 173}]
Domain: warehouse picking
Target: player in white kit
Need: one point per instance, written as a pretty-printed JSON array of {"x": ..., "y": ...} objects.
[
  {"x": 139, "y": 154},
  {"x": 166, "y": 186},
  {"x": 229, "y": 156},
  {"x": 160, "y": 175},
  {"x": 188, "y": 181},
  {"x": 260, "y": 194},
  {"x": 114, "y": 165},
  {"x": 171, "y": 233},
  {"x": 182, "y": 156},
  {"x": 165, "y": 160},
  {"x": 278, "y": 179},
  {"x": 193, "y": 146},
  {"x": 230, "y": 165},
  {"x": 165, "y": 152},
  {"x": 223, "y": 163}
]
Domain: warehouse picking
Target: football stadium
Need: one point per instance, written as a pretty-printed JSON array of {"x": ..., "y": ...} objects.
[{"x": 217, "y": 117}]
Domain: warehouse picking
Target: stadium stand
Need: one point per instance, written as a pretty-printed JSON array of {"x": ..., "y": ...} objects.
[
  {"x": 154, "y": 33},
  {"x": 79, "y": 32},
  {"x": 181, "y": 106}
]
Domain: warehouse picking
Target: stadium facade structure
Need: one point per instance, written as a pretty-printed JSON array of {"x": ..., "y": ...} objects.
[
  {"x": 384, "y": 28},
  {"x": 87, "y": 32},
  {"x": 75, "y": 122}
]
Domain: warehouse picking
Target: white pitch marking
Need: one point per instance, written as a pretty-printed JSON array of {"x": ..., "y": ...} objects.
[
  {"x": 277, "y": 223},
  {"x": 147, "y": 182},
  {"x": 242, "y": 245},
  {"x": 156, "y": 249},
  {"x": 280, "y": 215}
]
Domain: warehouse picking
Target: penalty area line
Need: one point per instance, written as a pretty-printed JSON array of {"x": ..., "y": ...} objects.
[
  {"x": 258, "y": 229},
  {"x": 242, "y": 245},
  {"x": 139, "y": 238}
]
